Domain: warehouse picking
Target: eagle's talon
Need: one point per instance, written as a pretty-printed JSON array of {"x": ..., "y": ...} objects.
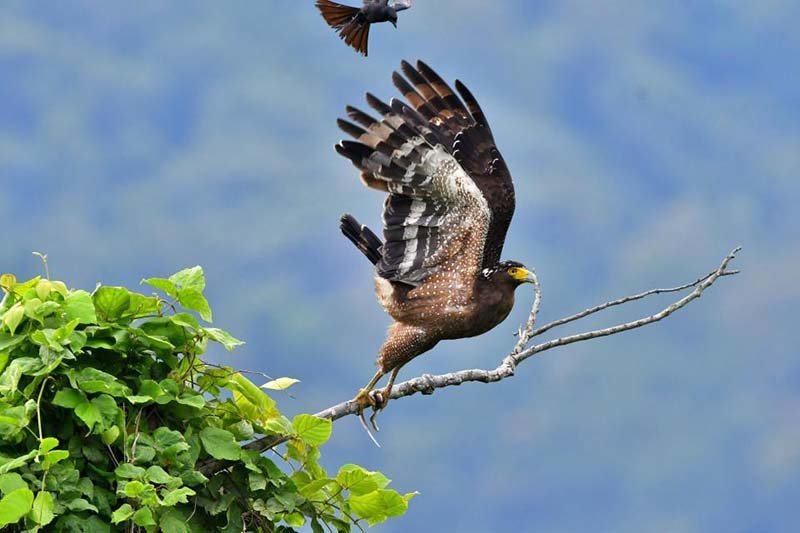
[
  {"x": 372, "y": 419},
  {"x": 364, "y": 399},
  {"x": 379, "y": 399}
]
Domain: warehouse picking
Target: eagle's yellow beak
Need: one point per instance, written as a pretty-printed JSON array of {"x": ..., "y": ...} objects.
[{"x": 522, "y": 275}]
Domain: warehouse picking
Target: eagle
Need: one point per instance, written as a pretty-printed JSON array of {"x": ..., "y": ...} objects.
[
  {"x": 450, "y": 199},
  {"x": 353, "y": 23}
]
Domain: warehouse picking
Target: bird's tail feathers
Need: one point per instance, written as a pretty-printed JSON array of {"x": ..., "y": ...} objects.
[
  {"x": 336, "y": 15},
  {"x": 356, "y": 34},
  {"x": 363, "y": 237}
]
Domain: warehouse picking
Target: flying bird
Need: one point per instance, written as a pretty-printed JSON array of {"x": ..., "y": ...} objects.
[
  {"x": 353, "y": 23},
  {"x": 449, "y": 203}
]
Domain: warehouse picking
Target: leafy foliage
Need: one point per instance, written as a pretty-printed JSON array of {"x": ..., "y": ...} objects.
[{"x": 107, "y": 414}]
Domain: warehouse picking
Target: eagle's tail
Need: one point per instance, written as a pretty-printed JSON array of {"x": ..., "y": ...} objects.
[
  {"x": 353, "y": 29},
  {"x": 363, "y": 237}
]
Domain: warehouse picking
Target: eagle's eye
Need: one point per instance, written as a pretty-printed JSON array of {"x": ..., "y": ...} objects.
[{"x": 513, "y": 272}]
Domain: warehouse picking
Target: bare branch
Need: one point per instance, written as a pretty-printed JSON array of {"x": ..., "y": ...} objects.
[
  {"x": 427, "y": 384},
  {"x": 626, "y": 299},
  {"x": 526, "y": 334}
]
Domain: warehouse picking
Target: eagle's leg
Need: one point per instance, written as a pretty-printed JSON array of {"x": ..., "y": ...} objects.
[
  {"x": 381, "y": 398},
  {"x": 364, "y": 397}
]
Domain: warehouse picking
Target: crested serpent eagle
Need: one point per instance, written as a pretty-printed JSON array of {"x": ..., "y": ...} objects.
[{"x": 449, "y": 202}]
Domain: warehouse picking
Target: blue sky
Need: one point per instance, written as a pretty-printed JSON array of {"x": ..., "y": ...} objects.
[{"x": 646, "y": 140}]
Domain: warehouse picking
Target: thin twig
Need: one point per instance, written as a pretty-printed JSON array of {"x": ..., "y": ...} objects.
[
  {"x": 526, "y": 334},
  {"x": 427, "y": 384},
  {"x": 626, "y": 299}
]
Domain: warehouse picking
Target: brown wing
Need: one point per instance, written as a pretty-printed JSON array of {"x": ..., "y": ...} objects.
[
  {"x": 436, "y": 219},
  {"x": 464, "y": 132},
  {"x": 336, "y": 15}
]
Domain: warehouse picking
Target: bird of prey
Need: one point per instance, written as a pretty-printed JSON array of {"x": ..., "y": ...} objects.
[
  {"x": 449, "y": 203},
  {"x": 353, "y": 23}
]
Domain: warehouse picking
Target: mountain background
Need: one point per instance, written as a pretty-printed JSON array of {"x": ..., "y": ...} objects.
[{"x": 646, "y": 139}]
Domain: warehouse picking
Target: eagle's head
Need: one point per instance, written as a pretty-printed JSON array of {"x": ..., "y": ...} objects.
[{"x": 509, "y": 272}]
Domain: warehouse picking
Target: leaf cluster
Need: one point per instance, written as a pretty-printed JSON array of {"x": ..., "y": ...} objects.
[{"x": 108, "y": 411}]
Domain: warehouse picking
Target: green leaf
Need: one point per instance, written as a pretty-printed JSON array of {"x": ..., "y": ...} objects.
[
  {"x": 80, "y": 504},
  {"x": 11, "y": 482},
  {"x": 190, "y": 278},
  {"x": 164, "y": 285},
  {"x": 111, "y": 302},
  {"x": 14, "y": 371},
  {"x": 8, "y": 342},
  {"x": 144, "y": 517},
  {"x": 110, "y": 435},
  {"x": 13, "y": 317},
  {"x": 42, "y": 511},
  {"x": 15, "y": 505},
  {"x": 223, "y": 337},
  {"x": 294, "y": 519},
  {"x": 193, "y": 299},
  {"x": 191, "y": 399},
  {"x": 220, "y": 444},
  {"x": 88, "y": 413},
  {"x": 375, "y": 507},
  {"x": 356, "y": 479},
  {"x": 92, "y": 380},
  {"x": 141, "y": 305},
  {"x": 43, "y": 288},
  {"x": 148, "y": 390},
  {"x": 310, "y": 489},
  {"x": 176, "y": 496},
  {"x": 174, "y": 521},
  {"x": 7, "y": 282},
  {"x": 7, "y": 465},
  {"x": 157, "y": 343},
  {"x": 47, "y": 444},
  {"x": 186, "y": 320},
  {"x": 69, "y": 398},
  {"x": 107, "y": 407},
  {"x": 54, "y": 457},
  {"x": 156, "y": 474},
  {"x": 129, "y": 471},
  {"x": 134, "y": 488},
  {"x": 248, "y": 389},
  {"x": 312, "y": 430},
  {"x": 280, "y": 383},
  {"x": 124, "y": 512},
  {"x": 279, "y": 425}
]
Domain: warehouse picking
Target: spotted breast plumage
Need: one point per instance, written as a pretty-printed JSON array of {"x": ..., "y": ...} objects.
[{"x": 450, "y": 200}]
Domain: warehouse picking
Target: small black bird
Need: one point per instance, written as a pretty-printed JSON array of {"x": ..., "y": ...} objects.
[{"x": 353, "y": 23}]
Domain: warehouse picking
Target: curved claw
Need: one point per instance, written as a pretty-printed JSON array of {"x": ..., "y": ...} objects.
[
  {"x": 365, "y": 399},
  {"x": 379, "y": 403}
]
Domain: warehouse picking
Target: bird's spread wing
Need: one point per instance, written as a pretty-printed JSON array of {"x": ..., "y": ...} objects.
[
  {"x": 466, "y": 134},
  {"x": 450, "y": 194},
  {"x": 400, "y": 5},
  {"x": 337, "y": 15}
]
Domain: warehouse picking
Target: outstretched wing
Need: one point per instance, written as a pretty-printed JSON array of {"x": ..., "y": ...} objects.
[
  {"x": 436, "y": 160},
  {"x": 465, "y": 133},
  {"x": 336, "y": 15}
]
